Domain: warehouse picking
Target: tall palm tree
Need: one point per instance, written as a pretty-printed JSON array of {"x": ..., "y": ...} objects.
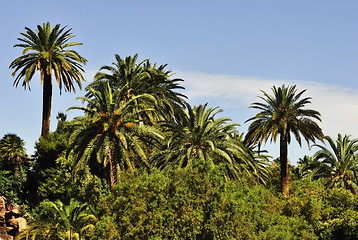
[
  {"x": 110, "y": 132},
  {"x": 135, "y": 79},
  {"x": 339, "y": 166},
  {"x": 280, "y": 115},
  {"x": 13, "y": 151},
  {"x": 46, "y": 51},
  {"x": 59, "y": 221},
  {"x": 202, "y": 137}
]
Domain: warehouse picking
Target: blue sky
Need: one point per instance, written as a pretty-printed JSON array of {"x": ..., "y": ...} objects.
[{"x": 226, "y": 51}]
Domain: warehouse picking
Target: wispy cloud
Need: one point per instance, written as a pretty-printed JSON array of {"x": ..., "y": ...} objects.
[{"x": 338, "y": 106}]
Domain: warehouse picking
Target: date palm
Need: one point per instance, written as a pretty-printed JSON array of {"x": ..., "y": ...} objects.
[
  {"x": 200, "y": 136},
  {"x": 281, "y": 115},
  {"x": 46, "y": 51},
  {"x": 165, "y": 89},
  {"x": 110, "y": 132},
  {"x": 133, "y": 79},
  {"x": 339, "y": 166}
]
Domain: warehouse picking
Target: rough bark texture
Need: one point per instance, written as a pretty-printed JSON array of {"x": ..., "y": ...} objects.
[
  {"x": 284, "y": 166},
  {"x": 46, "y": 110},
  {"x": 111, "y": 174}
]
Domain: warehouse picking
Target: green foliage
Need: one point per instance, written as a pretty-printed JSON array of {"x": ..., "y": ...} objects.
[
  {"x": 46, "y": 50},
  {"x": 199, "y": 203},
  {"x": 13, "y": 159},
  {"x": 283, "y": 113},
  {"x": 196, "y": 203},
  {"x": 55, "y": 220},
  {"x": 48, "y": 150},
  {"x": 55, "y": 172},
  {"x": 135, "y": 79},
  {"x": 304, "y": 168},
  {"x": 12, "y": 149},
  {"x": 332, "y": 213},
  {"x": 338, "y": 167},
  {"x": 111, "y": 135},
  {"x": 8, "y": 186},
  {"x": 200, "y": 135},
  {"x": 344, "y": 227},
  {"x": 106, "y": 229},
  {"x": 61, "y": 183}
]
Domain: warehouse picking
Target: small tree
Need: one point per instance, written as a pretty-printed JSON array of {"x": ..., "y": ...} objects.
[{"x": 13, "y": 153}]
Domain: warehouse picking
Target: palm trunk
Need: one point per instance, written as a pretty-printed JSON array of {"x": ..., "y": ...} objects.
[
  {"x": 284, "y": 166},
  {"x": 16, "y": 177},
  {"x": 111, "y": 174},
  {"x": 112, "y": 169},
  {"x": 46, "y": 107}
]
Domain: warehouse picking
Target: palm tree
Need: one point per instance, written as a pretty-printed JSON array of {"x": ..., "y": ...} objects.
[
  {"x": 46, "y": 50},
  {"x": 165, "y": 89},
  {"x": 12, "y": 150},
  {"x": 110, "y": 132},
  {"x": 201, "y": 137},
  {"x": 306, "y": 167},
  {"x": 340, "y": 165},
  {"x": 59, "y": 221},
  {"x": 134, "y": 79},
  {"x": 280, "y": 115}
]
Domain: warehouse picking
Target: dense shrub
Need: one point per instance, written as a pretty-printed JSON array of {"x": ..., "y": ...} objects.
[
  {"x": 196, "y": 203},
  {"x": 61, "y": 183},
  {"x": 7, "y": 186}
]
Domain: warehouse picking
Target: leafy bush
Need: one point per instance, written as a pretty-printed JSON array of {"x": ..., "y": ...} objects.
[
  {"x": 7, "y": 186},
  {"x": 60, "y": 183},
  {"x": 196, "y": 203}
]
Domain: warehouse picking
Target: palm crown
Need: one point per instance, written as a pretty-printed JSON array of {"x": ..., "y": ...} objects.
[
  {"x": 340, "y": 165},
  {"x": 282, "y": 114},
  {"x": 110, "y": 132},
  {"x": 12, "y": 149},
  {"x": 46, "y": 51},
  {"x": 201, "y": 136},
  {"x": 134, "y": 79}
]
